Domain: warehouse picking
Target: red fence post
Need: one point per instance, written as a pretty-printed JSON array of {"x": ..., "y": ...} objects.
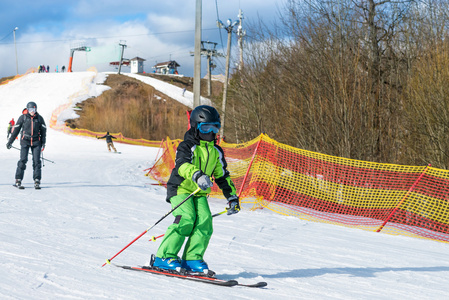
[
  {"x": 403, "y": 199},
  {"x": 250, "y": 164}
]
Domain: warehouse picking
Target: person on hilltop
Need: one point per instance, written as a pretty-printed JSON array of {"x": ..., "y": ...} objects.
[
  {"x": 10, "y": 127},
  {"x": 109, "y": 142},
  {"x": 34, "y": 133},
  {"x": 198, "y": 159}
]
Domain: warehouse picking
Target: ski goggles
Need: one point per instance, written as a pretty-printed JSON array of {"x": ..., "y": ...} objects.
[
  {"x": 32, "y": 110},
  {"x": 209, "y": 127}
]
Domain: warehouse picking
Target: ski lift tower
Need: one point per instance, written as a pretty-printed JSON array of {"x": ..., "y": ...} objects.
[
  {"x": 72, "y": 52},
  {"x": 208, "y": 50}
]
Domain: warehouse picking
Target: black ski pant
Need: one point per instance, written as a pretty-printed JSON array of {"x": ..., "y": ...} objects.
[{"x": 22, "y": 164}]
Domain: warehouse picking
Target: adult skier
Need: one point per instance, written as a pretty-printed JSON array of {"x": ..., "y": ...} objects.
[
  {"x": 198, "y": 158},
  {"x": 109, "y": 142},
  {"x": 34, "y": 133}
]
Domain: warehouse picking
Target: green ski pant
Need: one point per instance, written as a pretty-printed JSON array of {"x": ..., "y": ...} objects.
[{"x": 193, "y": 220}]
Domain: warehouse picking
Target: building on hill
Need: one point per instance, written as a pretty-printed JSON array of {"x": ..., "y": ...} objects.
[
  {"x": 168, "y": 67},
  {"x": 137, "y": 65}
]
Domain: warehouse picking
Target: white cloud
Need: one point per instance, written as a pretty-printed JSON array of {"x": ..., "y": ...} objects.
[{"x": 153, "y": 30}]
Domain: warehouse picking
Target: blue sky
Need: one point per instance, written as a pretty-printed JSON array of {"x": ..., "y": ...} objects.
[{"x": 154, "y": 30}]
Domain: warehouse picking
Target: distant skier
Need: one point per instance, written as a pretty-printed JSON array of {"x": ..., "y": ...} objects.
[
  {"x": 109, "y": 142},
  {"x": 10, "y": 127},
  {"x": 34, "y": 133},
  {"x": 198, "y": 158}
]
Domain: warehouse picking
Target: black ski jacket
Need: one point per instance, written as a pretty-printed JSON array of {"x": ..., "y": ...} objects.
[
  {"x": 108, "y": 138},
  {"x": 34, "y": 130}
]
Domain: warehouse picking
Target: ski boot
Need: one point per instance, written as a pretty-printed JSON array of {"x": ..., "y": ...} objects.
[
  {"x": 37, "y": 183},
  {"x": 169, "y": 263},
  {"x": 197, "y": 267},
  {"x": 18, "y": 184}
]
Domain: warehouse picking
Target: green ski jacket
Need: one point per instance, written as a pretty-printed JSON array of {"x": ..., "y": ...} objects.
[{"x": 193, "y": 155}]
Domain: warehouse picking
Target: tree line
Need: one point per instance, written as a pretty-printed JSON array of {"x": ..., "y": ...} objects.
[{"x": 365, "y": 80}]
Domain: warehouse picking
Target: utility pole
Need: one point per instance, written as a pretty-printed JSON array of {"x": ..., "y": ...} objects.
[
  {"x": 229, "y": 29},
  {"x": 197, "y": 58},
  {"x": 123, "y": 45},
  {"x": 15, "y": 47},
  {"x": 240, "y": 33}
]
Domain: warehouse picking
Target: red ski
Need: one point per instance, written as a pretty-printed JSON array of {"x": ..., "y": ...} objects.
[{"x": 198, "y": 278}]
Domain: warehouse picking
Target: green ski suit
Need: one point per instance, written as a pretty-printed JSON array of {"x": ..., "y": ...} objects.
[{"x": 193, "y": 219}]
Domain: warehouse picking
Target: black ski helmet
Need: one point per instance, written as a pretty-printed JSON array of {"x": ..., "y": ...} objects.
[
  {"x": 204, "y": 114},
  {"x": 31, "y": 105}
]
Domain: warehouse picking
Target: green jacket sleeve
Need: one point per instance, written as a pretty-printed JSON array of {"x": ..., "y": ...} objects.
[{"x": 184, "y": 158}]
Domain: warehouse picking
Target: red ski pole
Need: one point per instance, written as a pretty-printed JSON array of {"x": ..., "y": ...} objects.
[{"x": 108, "y": 261}]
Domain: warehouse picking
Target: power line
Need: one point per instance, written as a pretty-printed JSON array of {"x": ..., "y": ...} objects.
[
  {"x": 218, "y": 18},
  {"x": 6, "y": 36},
  {"x": 107, "y": 37}
]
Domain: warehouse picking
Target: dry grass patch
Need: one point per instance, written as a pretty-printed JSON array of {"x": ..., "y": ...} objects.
[{"x": 133, "y": 108}]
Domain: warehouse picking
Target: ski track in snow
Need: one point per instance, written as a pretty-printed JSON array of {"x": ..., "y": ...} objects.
[{"x": 92, "y": 204}]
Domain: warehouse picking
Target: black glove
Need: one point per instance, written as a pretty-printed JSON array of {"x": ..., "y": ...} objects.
[
  {"x": 234, "y": 206},
  {"x": 202, "y": 180},
  {"x": 8, "y": 145},
  {"x": 42, "y": 147}
]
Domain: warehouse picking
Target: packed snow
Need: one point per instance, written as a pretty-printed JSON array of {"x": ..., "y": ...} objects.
[
  {"x": 177, "y": 93},
  {"x": 93, "y": 203}
]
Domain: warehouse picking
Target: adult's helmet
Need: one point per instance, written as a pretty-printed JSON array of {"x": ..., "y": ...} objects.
[
  {"x": 31, "y": 105},
  {"x": 204, "y": 114}
]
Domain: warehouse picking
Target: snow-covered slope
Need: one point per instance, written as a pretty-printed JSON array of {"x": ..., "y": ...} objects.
[
  {"x": 170, "y": 90},
  {"x": 93, "y": 203}
]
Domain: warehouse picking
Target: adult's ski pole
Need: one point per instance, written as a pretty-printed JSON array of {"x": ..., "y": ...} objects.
[
  {"x": 30, "y": 153},
  {"x": 108, "y": 261}
]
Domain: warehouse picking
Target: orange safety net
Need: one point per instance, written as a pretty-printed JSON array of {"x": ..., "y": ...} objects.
[
  {"x": 318, "y": 187},
  {"x": 161, "y": 170}
]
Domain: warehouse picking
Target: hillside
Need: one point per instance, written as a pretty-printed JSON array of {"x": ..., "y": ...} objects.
[
  {"x": 138, "y": 109},
  {"x": 133, "y": 108}
]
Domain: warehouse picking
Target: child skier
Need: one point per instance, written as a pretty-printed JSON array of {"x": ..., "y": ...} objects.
[
  {"x": 109, "y": 142},
  {"x": 198, "y": 159}
]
